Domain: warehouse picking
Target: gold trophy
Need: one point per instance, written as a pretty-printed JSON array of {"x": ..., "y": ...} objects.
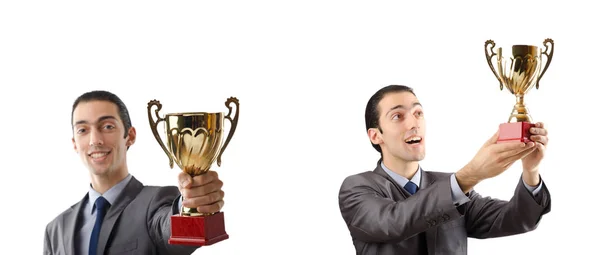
[
  {"x": 518, "y": 71},
  {"x": 194, "y": 143}
]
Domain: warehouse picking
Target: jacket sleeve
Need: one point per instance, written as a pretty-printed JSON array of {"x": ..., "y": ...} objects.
[
  {"x": 487, "y": 217},
  {"x": 159, "y": 214},
  {"x": 47, "y": 244},
  {"x": 371, "y": 216}
]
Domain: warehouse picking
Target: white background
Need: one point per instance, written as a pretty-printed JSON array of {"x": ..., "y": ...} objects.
[{"x": 303, "y": 72}]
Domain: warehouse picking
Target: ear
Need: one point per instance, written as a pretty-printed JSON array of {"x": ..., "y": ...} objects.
[
  {"x": 74, "y": 144},
  {"x": 375, "y": 136},
  {"x": 130, "y": 137}
]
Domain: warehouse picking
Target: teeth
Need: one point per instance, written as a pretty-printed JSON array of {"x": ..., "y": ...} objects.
[
  {"x": 98, "y": 154},
  {"x": 413, "y": 139}
]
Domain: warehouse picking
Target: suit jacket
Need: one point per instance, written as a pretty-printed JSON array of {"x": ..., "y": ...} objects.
[
  {"x": 138, "y": 223},
  {"x": 385, "y": 219}
]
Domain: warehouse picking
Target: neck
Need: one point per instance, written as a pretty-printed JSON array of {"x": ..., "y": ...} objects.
[
  {"x": 102, "y": 183},
  {"x": 406, "y": 169}
]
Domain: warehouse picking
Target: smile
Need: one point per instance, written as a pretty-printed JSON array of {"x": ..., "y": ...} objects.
[{"x": 96, "y": 155}]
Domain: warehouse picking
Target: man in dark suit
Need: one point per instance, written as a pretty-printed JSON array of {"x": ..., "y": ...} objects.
[
  {"x": 399, "y": 208},
  {"x": 137, "y": 217}
]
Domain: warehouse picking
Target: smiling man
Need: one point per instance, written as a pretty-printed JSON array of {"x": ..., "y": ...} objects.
[
  {"x": 119, "y": 214},
  {"x": 399, "y": 208}
]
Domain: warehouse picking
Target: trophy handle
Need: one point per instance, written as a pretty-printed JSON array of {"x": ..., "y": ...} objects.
[
  {"x": 233, "y": 121},
  {"x": 154, "y": 124},
  {"x": 489, "y": 59},
  {"x": 548, "y": 59}
]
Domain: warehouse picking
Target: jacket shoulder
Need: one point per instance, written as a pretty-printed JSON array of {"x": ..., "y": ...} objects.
[
  {"x": 364, "y": 179},
  {"x": 438, "y": 175},
  {"x": 55, "y": 224},
  {"x": 371, "y": 178}
]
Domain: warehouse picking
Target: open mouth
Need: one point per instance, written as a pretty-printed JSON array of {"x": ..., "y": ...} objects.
[
  {"x": 97, "y": 155},
  {"x": 413, "y": 140}
]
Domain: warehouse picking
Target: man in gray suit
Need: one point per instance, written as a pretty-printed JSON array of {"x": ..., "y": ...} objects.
[
  {"x": 135, "y": 218},
  {"x": 399, "y": 208}
]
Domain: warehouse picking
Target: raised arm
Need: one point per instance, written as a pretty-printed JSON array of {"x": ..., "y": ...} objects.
[{"x": 487, "y": 217}]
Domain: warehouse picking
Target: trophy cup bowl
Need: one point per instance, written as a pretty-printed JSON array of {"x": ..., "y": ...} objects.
[
  {"x": 518, "y": 70},
  {"x": 194, "y": 142}
]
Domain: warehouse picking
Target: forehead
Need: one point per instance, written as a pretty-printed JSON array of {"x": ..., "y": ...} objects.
[
  {"x": 91, "y": 111},
  {"x": 393, "y": 99}
]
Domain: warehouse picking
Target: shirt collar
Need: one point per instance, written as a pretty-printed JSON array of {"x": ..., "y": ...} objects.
[
  {"x": 401, "y": 180},
  {"x": 110, "y": 195}
]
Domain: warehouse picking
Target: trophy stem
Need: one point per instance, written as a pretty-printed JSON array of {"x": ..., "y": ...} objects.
[{"x": 520, "y": 112}]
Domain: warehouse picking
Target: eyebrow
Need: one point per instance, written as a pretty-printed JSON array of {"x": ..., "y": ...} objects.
[
  {"x": 403, "y": 107},
  {"x": 99, "y": 120}
]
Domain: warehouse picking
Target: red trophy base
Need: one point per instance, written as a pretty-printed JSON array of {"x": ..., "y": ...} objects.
[
  {"x": 198, "y": 230},
  {"x": 514, "y": 132}
]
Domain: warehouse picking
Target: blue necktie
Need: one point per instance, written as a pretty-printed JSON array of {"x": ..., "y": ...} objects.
[
  {"x": 101, "y": 205},
  {"x": 411, "y": 187}
]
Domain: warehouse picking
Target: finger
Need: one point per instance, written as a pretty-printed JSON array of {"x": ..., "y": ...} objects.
[
  {"x": 205, "y": 178},
  {"x": 202, "y": 190},
  {"x": 541, "y": 147},
  {"x": 539, "y": 125},
  {"x": 213, "y": 208},
  {"x": 538, "y": 131},
  {"x": 514, "y": 149},
  {"x": 507, "y": 147},
  {"x": 204, "y": 200},
  {"x": 184, "y": 180},
  {"x": 520, "y": 155},
  {"x": 539, "y": 139}
]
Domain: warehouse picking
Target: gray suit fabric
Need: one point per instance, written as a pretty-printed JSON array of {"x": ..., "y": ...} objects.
[
  {"x": 138, "y": 223},
  {"x": 385, "y": 219}
]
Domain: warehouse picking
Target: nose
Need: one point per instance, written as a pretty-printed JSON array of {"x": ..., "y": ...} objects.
[
  {"x": 96, "y": 137},
  {"x": 413, "y": 123}
]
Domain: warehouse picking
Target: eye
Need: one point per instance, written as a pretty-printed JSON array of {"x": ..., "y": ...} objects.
[
  {"x": 109, "y": 126},
  {"x": 419, "y": 113},
  {"x": 396, "y": 116},
  {"x": 80, "y": 130}
]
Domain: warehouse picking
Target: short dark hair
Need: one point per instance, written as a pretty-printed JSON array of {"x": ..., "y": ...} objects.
[
  {"x": 101, "y": 95},
  {"x": 372, "y": 110}
]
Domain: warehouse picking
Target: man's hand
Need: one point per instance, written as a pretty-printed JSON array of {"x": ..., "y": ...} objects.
[
  {"x": 491, "y": 160},
  {"x": 202, "y": 192},
  {"x": 531, "y": 162}
]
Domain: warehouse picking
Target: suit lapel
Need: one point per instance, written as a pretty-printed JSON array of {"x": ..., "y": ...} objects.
[
  {"x": 70, "y": 221},
  {"x": 427, "y": 179},
  {"x": 114, "y": 212},
  {"x": 379, "y": 170}
]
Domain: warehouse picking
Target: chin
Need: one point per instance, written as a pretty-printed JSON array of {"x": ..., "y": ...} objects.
[
  {"x": 419, "y": 157},
  {"x": 99, "y": 171}
]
